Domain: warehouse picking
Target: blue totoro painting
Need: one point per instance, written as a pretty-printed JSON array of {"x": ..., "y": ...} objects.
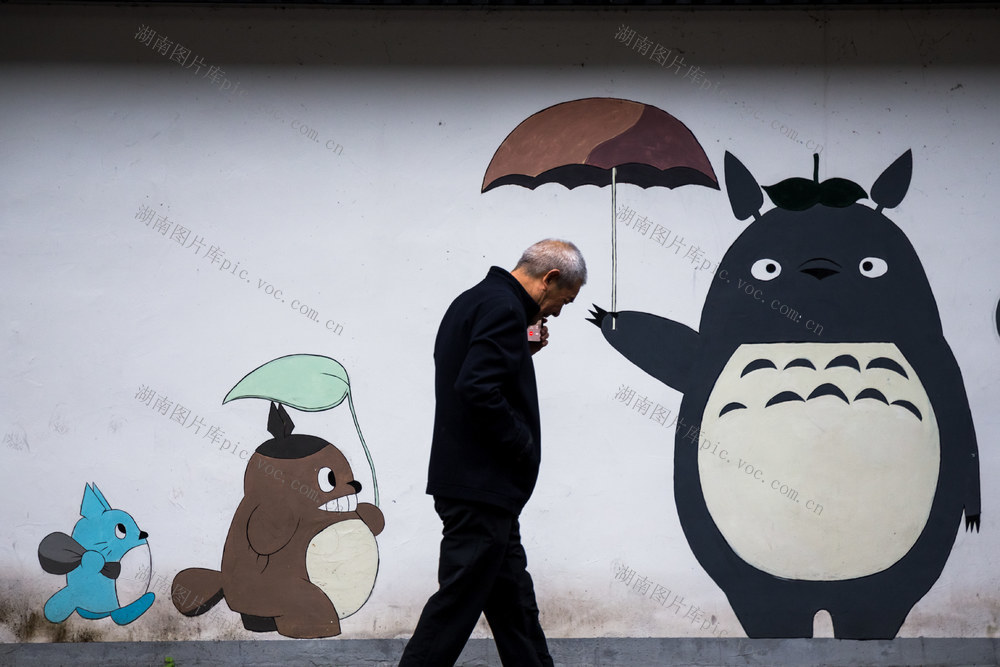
[{"x": 106, "y": 562}]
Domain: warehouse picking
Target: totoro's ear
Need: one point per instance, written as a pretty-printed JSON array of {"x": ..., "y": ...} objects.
[
  {"x": 745, "y": 195},
  {"x": 279, "y": 424},
  {"x": 890, "y": 188},
  {"x": 93, "y": 503}
]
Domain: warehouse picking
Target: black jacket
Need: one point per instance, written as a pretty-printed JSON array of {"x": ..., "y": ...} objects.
[{"x": 487, "y": 439}]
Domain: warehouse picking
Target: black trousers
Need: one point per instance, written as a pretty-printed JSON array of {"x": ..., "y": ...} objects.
[{"x": 483, "y": 569}]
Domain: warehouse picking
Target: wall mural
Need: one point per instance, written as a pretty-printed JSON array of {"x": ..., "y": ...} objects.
[
  {"x": 819, "y": 358},
  {"x": 301, "y": 552},
  {"x": 106, "y": 561}
]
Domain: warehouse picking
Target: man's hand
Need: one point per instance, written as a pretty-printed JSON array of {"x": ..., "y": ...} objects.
[{"x": 543, "y": 340}]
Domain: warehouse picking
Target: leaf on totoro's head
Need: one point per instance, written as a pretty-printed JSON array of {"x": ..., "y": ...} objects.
[
  {"x": 798, "y": 194},
  {"x": 840, "y": 192},
  {"x": 794, "y": 194},
  {"x": 308, "y": 382}
]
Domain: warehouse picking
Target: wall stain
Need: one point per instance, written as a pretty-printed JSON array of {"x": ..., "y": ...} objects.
[{"x": 21, "y": 615}]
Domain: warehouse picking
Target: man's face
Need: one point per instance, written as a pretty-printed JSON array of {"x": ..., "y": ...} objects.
[{"x": 555, "y": 297}]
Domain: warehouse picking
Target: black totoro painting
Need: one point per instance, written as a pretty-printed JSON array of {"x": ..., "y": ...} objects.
[{"x": 826, "y": 452}]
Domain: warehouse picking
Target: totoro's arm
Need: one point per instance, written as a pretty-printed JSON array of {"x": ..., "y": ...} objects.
[
  {"x": 92, "y": 561},
  {"x": 973, "y": 498},
  {"x": 663, "y": 348},
  {"x": 960, "y": 433},
  {"x": 372, "y": 517},
  {"x": 270, "y": 529},
  {"x": 942, "y": 378}
]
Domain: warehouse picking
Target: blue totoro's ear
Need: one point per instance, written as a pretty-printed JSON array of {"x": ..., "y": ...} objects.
[
  {"x": 93, "y": 503},
  {"x": 890, "y": 188},
  {"x": 745, "y": 195}
]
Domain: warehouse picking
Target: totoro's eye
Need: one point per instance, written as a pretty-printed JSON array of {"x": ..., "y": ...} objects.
[
  {"x": 326, "y": 479},
  {"x": 120, "y": 531},
  {"x": 765, "y": 269},
  {"x": 873, "y": 267}
]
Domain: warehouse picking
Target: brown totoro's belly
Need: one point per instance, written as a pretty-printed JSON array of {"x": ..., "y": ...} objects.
[
  {"x": 343, "y": 561},
  {"x": 819, "y": 461}
]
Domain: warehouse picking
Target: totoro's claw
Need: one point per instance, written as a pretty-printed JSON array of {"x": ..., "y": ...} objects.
[
  {"x": 598, "y": 316},
  {"x": 972, "y": 522}
]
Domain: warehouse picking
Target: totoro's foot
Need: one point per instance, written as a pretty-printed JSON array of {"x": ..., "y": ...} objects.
[
  {"x": 259, "y": 623},
  {"x": 130, "y": 612},
  {"x": 301, "y": 627},
  {"x": 196, "y": 590},
  {"x": 59, "y": 606}
]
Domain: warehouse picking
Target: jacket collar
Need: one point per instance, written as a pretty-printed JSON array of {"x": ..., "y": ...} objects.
[{"x": 530, "y": 306}]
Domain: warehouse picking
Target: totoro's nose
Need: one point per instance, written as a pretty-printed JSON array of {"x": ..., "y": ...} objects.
[
  {"x": 820, "y": 268},
  {"x": 356, "y": 485},
  {"x": 143, "y": 534}
]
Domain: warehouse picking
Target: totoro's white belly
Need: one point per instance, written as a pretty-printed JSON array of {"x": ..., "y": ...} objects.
[
  {"x": 343, "y": 561},
  {"x": 133, "y": 579},
  {"x": 826, "y": 472}
]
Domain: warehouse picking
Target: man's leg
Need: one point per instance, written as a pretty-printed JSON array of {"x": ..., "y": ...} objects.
[
  {"x": 512, "y": 611},
  {"x": 473, "y": 544}
]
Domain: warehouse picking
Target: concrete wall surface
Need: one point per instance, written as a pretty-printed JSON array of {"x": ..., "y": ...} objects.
[{"x": 602, "y": 652}]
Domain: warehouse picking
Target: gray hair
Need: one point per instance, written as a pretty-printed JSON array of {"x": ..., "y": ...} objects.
[{"x": 550, "y": 254}]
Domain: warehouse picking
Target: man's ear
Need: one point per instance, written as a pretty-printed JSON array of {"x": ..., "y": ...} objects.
[{"x": 551, "y": 278}]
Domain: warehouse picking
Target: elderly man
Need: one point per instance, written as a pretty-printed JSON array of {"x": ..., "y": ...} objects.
[{"x": 485, "y": 455}]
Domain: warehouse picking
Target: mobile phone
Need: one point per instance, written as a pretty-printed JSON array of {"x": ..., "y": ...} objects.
[{"x": 535, "y": 332}]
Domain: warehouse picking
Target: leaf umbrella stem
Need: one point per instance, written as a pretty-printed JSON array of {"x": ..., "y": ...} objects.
[
  {"x": 614, "y": 248},
  {"x": 350, "y": 403}
]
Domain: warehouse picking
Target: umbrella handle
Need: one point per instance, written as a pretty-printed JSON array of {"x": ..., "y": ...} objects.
[
  {"x": 614, "y": 248},
  {"x": 371, "y": 464}
]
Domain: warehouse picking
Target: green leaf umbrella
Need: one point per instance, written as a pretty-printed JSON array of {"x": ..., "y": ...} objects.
[{"x": 308, "y": 382}]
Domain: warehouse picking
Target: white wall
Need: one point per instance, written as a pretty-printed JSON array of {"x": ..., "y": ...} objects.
[{"x": 381, "y": 234}]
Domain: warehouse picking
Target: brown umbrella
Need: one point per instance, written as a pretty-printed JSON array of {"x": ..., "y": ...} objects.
[{"x": 601, "y": 141}]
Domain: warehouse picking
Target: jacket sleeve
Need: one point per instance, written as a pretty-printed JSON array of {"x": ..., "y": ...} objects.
[{"x": 489, "y": 372}]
